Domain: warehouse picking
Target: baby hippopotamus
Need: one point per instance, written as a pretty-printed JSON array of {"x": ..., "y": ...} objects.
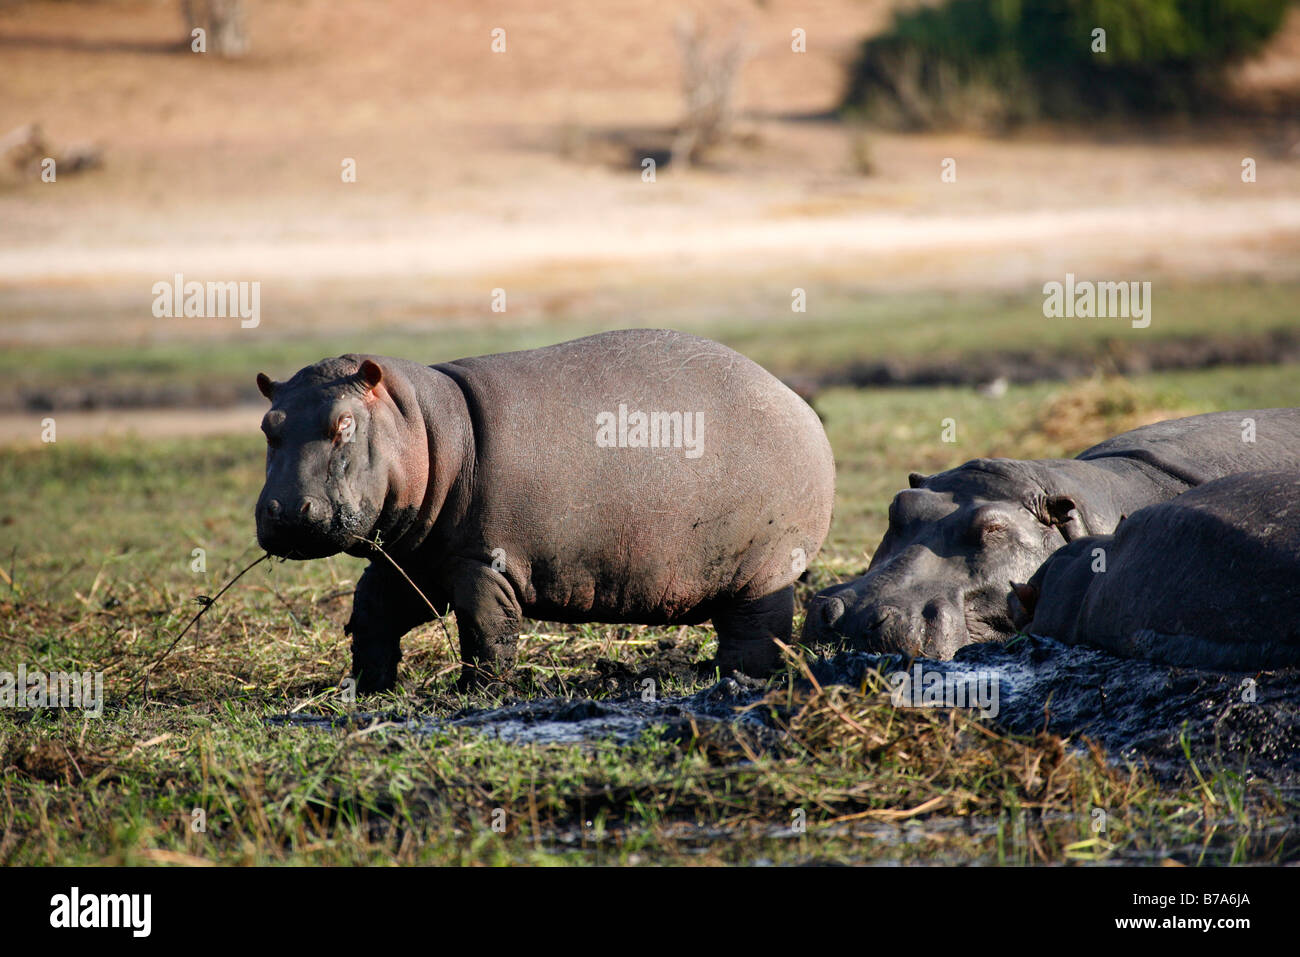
[
  {"x": 1209, "y": 579},
  {"x": 641, "y": 476}
]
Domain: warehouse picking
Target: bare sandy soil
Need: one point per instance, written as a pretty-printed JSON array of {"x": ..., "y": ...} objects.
[
  {"x": 520, "y": 170},
  {"x": 26, "y": 429}
]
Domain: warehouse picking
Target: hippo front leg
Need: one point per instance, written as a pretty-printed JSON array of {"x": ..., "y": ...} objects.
[
  {"x": 384, "y": 609},
  {"x": 488, "y": 618},
  {"x": 746, "y": 631}
]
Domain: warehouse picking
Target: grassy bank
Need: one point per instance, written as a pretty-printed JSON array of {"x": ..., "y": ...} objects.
[{"x": 99, "y": 576}]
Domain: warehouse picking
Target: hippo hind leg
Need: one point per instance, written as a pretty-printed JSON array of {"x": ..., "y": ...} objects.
[
  {"x": 488, "y": 617},
  {"x": 746, "y": 633}
]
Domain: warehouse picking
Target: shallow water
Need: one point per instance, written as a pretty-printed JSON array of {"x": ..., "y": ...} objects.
[{"x": 567, "y": 720}]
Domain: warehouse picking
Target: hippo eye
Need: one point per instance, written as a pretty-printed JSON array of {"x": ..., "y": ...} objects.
[
  {"x": 984, "y": 528},
  {"x": 986, "y": 524}
]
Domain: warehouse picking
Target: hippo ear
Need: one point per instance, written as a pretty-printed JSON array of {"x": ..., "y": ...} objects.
[
  {"x": 1061, "y": 512},
  {"x": 265, "y": 385},
  {"x": 1026, "y": 597},
  {"x": 370, "y": 373},
  {"x": 915, "y": 480}
]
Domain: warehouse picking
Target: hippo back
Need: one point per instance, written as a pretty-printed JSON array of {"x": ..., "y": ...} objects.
[
  {"x": 1209, "y": 579},
  {"x": 1202, "y": 448}
]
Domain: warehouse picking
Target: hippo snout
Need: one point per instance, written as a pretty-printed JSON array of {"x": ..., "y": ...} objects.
[
  {"x": 852, "y": 623},
  {"x": 848, "y": 621},
  {"x": 298, "y": 528},
  {"x": 822, "y": 623},
  {"x": 309, "y": 510},
  {"x": 882, "y": 629},
  {"x": 831, "y": 611}
]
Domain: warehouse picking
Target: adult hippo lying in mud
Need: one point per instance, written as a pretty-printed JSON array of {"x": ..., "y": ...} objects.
[
  {"x": 1209, "y": 579},
  {"x": 639, "y": 476},
  {"x": 941, "y": 577}
]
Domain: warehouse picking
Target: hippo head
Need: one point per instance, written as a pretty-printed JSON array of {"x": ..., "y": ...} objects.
[
  {"x": 331, "y": 468},
  {"x": 942, "y": 575},
  {"x": 1049, "y": 603}
]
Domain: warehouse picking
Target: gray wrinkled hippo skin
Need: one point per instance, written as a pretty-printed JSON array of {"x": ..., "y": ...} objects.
[
  {"x": 484, "y": 480},
  {"x": 941, "y": 577},
  {"x": 1210, "y": 579}
]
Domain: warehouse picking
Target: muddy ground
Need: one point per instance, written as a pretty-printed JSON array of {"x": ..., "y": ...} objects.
[
  {"x": 1137, "y": 710},
  {"x": 1141, "y": 713}
]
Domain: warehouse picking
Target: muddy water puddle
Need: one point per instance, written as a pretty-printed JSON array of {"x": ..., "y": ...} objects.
[
  {"x": 1145, "y": 713},
  {"x": 547, "y": 721}
]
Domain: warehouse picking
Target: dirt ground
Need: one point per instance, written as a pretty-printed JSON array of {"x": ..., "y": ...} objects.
[{"x": 521, "y": 170}]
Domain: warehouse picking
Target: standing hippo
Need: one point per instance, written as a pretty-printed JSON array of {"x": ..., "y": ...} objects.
[
  {"x": 641, "y": 476},
  {"x": 941, "y": 577},
  {"x": 1209, "y": 579}
]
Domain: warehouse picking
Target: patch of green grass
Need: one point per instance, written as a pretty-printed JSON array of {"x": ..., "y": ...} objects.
[{"x": 99, "y": 576}]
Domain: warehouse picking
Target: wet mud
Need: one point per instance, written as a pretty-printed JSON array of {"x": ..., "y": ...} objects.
[
  {"x": 573, "y": 720},
  {"x": 1140, "y": 713}
]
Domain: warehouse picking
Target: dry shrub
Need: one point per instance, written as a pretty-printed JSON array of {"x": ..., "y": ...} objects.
[
  {"x": 1087, "y": 412},
  {"x": 940, "y": 760},
  {"x": 709, "y": 76}
]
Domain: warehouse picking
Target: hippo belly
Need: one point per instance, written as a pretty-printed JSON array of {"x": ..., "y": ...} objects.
[
  {"x": 668, "y": 474},
  {"x": 668, "y": 569}
]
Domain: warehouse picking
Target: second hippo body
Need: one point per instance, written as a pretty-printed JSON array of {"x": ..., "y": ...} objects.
[{"x": 1209, "y": 579}]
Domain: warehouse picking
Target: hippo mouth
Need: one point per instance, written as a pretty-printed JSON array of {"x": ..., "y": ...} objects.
[
  {"x": 305, "y": 541},
  {"x": 301, "y": 551},
  {"x": 860, "y": 623},
  {"x": 846, "y": 620}
]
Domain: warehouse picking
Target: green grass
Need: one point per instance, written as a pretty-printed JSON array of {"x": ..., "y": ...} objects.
[{"x": 97, "y": 554}]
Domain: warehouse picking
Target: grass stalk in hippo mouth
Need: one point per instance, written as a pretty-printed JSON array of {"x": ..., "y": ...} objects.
[{"x": 206, "y": 602}]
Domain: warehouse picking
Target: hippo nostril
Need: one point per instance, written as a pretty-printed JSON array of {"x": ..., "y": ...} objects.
[
  {"x": 312, "y": 510},
  {"x": 273, "y": 508},
  {"x": 832, "y": 611}
]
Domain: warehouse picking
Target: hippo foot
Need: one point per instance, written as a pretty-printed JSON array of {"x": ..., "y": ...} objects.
[
  {"x": 745, "y": 682},
  {"x": 714, "y": 670},
  {"x": 374, "y": 678},
  {"x": 477, "y": 679},
  {"x": 748, "y": 633},
  {"x": 374, "y": 666}
]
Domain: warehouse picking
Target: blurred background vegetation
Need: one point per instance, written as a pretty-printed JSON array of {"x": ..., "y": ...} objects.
[{"x": 1014, "y": 61}]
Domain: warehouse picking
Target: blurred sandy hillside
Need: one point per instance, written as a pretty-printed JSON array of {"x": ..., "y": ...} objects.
[{"x": 520, "y": 169}]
